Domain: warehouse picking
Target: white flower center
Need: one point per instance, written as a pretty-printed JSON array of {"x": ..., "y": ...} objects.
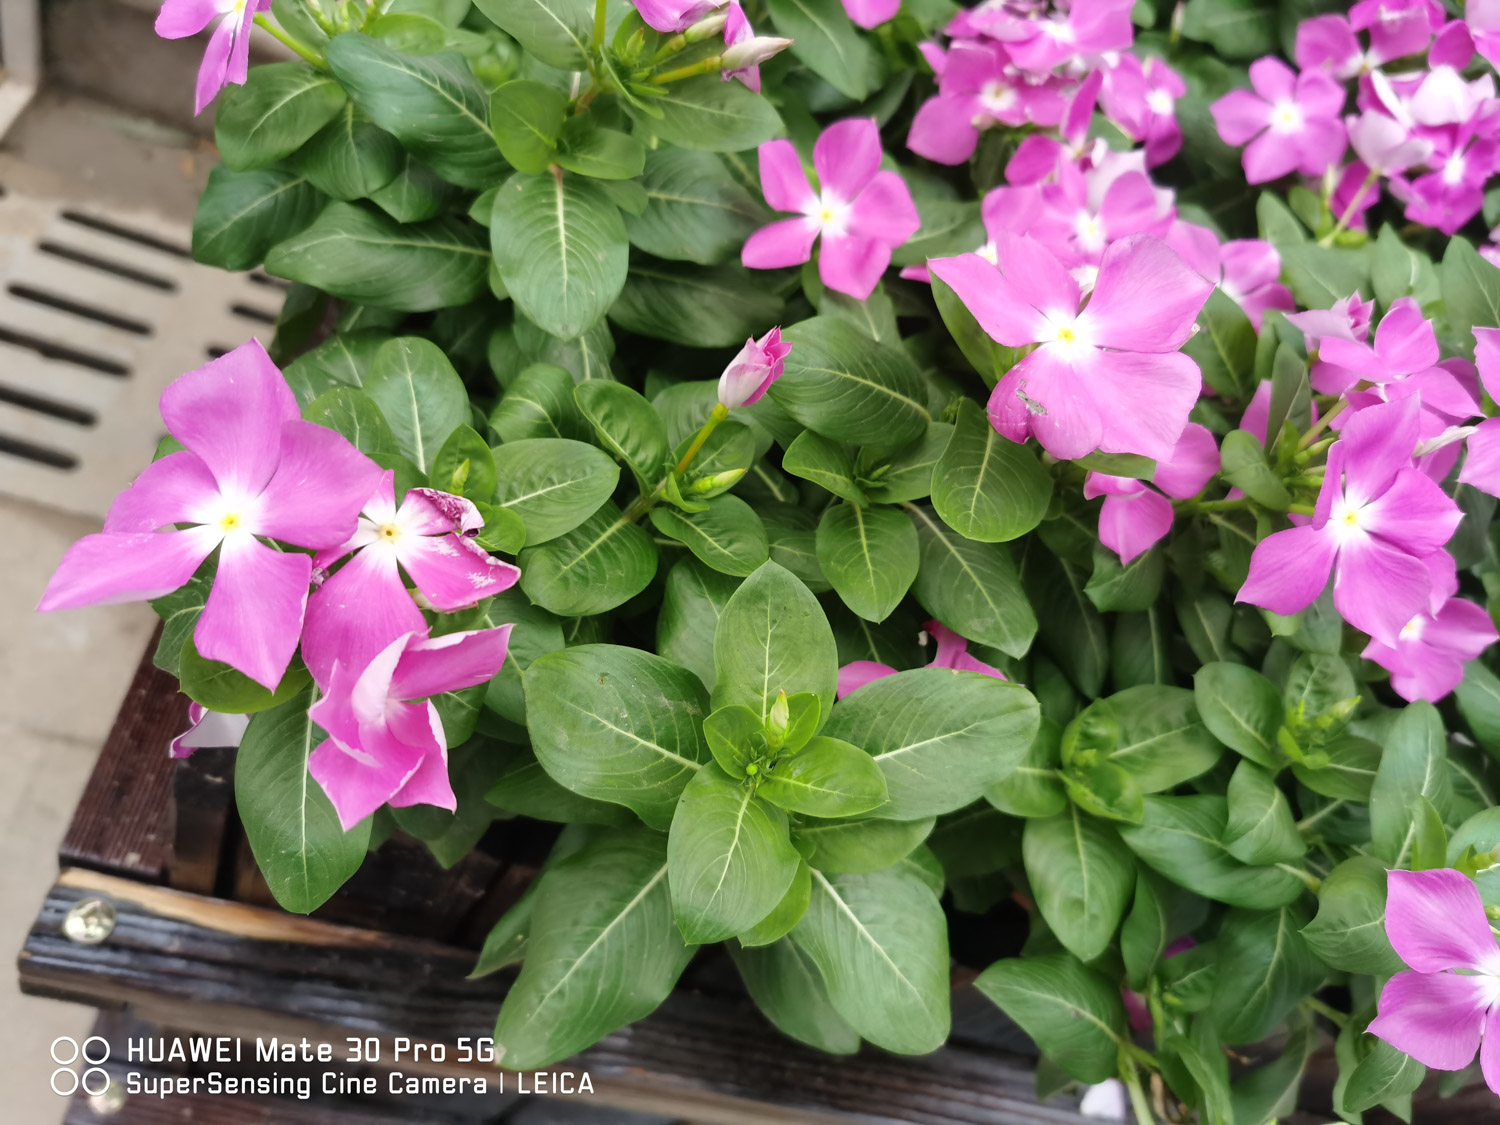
[
  {"x": 1066, "y": 337},
  {"x": 989, "y": 253},
  {"x": 1089, "y": 229},
  {"x": 1453, "y": 170},
  {"x": 997, "y": 97},
  {"x": 1058, "y": 31},
  {"x": 1413, "y": 629},
  {"x": 830, "y": 213},
  {"x": 1160, "y": 103},
  {"x": 1344, "y": 521},
  {"x": 387, "y": 533},
  {"x": 1286, "y": 117}
]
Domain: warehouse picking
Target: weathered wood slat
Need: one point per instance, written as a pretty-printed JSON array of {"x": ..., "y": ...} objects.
[{"x": 213, "y": 967}]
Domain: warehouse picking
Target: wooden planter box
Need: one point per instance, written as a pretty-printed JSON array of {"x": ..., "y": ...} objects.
[{"x": 198, "y": 949}]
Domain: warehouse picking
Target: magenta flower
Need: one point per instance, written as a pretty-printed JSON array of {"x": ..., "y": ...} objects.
[
  {"x": 1290, "y": 121},
  {"x": 1108, "y": 377},
  {"x": 1376, "y": 522},
  {"x": 385, "y": 740},
  {"x": 871, "y": 13},
  {"x": 1448, "y": 197},
  {"x": 977, "y": 89},
  {"x": 1348, "y": 319},
  {"x": 1090, "y": 27},
  {"x": 1084, "y": 212},
  {"x": 1141, "y": 99},
  {"x": 1039, "y": 157},
  {"x": 365, "y": 606},
  {"x": 744, "y": 51},
  {"x": 1427, "y": 660},
  {"x": 1397, "y": 28},
  {"x": 1329, "y": 42},
  {"x": 750, "y": 373},
  {"x": 1482, "y": 463},
  {"x": 207, "y": 729},
  {"x": 1246, "y": 269},
  {"x": 251, "y": 469},
  {"x": 1136, "y": 516},
  {"x": 860, "y": 212},
  {"x": 1483, "y": 20},
  {"x": 1446, "y": 1006},
  {"x": 226, "y": 60},
  {"x": 952, "y": 652},
  {"x": 672, "y": 16}
]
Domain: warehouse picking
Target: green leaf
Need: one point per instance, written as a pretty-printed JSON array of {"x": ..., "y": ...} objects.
[
  {"x": 788, "y": 912},
  {"x": 1415, "y": 763},
  {"x": 415, "y": 195},
  {"x": 1159, "y": 913},
  {"x": 1241, "y": 708},
  {"x": 1349, "y": 774},
  {"x": 1074, "y": 1014},
  {"x": 826, "y": 463},
  {"x": 505, "y": 944},
  {"x": 366, "y": 257},
  {"x": 1319, "y": 275},
  {"x": 826, "y": 778},
  {"x": 600, "y": 564},
  {"x": 788, "y": 989},
  {"x": 708, "y": 113},
  {"x": 617, "y": 724},
  {"x": 1224, "y": 349},
  {"x": 1273, "y": 970},
  {"x": 773, "y": 637},
  {"x": 847, "y": 387},
  {"x": 1071, "y": 630},
  {"x": 1269, "y": 1091},
  {"x": 1237, "y": 29},
  {"x": 729, "y": 858},
  {"x": 1348, "y": 932},
  {"x": 1133, "y": 586},
  {"x": 972, "y": 588},
  {"x": 292, "y": 828},
  {"x": 627, "y": 426},
  {"x": 465, "y": 466},
  {"x": 1260, "y": 828},
  {"x": 1382, "y": 1076},
  {"x": 737, "y": 738},
  {"x": 1396, "y": 271},
  {"x": 241, "y": 215},
  {"x": 1081, "y": 879},
  {"x": 986, "y": 487},
  {"x": 605, "y": 154},
  {"x": 557, "y": 32},
  {"x": 857, "y": 847},
  {"x": 560, "y": 246},
  {"x": 1471, "y": 292},
  {"x": 339, "y": 361},
  {"x": 1182, "y": 838},
  {"x": 553, "y": 484},
  {"x": 870, "y": 555},
  {"x": 826, "y": 41},
  {"x": 221, "y": 688},
  {"x": 603, "y": 950},
  {"x": 273, "y": 113},
  {"x": 695, "y": 210},
  {"x": 700, "y": 306},
  {"x": 432, "y": 104},
  {"x": 881, "y": 943},
  {"x": 350, "y": 157},
  {"x": 420, "y": 395},
  {"x": 538, "y": 403},
  {"x": 1478, "y": 699},
  {"x": 527, "y": 118},
  {"x": 1104, "y": 789},
  {"x": 692, "y": 602},
  {"x": 1033, "y": 789},
  {"x": 890, "y": 476},
  {"x": 1243, "y": 464},
  {"x": 355, "y": 415},
  {"x": 727, "y": 535},
  {"x": 525, "y": 788},
  {"x": 941, "y": 737},
  {"x": 1163, "y": 741}
]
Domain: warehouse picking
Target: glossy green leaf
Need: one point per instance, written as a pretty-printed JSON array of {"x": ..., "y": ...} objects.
[
  {"x": 870, "y": 555},
  {"x": 1241, "y": 708},
  {"x": 627, "y": 426},
  {"x": 527, "y": 118},
  {"x": 241, "y": 215},
  {"x": 789, "y": 990},
  {"x": 1081, "y": 877},
  {"x": 354, "y": 414},
  {"x": 695, "y": 210},
  {"x": 219, "y": 687},
  {"x": 728, "y": 536},
  {"x": 847, "y": 387},
  {"x": 708, "y": 113},
  {"x": 1163, "y": 741},
  {"x": 553, "y": 484},
  {"x": 273, "y": 113},
  {"x": 986, "y": 487},
  {"x": 420, "y": 394},
  {"x": 826, "y": 463},
  {"x": 825, "y": 40},
  {"x": 859, "y": 846},
  {"x": 1414, "y": 764},
  {"x": 825, "y": 778},
  {"x": 1273, "y": 969},
  {"x": 1348, "y": 931},
  {"x": 351, "y": 157},
  {"x": 973, "y": 588},
  {"x": 600, "y": 564},
  {"x": 1074, "y": 1014}
]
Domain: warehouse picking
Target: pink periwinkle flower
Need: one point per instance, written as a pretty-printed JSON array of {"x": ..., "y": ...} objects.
[
  {"x": 385, "y": 740},
  {"x": 952, "y": 652},
  {"x": 1483, "y": 20},
  {"x": 1482, "y": 463},
  {"x": 1427, "y": 660},
  {"x": 1247, "y": 270},
  {"x": 672, "y": 16},
  {"x": 208, "y": 729},
  {"x": 1083, "y": 212},
  {"x": 1348, "y": 319},
  {"x": 1089, "y": 27},
  {"x": 871, "y": 13},
  {"x": 1397, "y": 28},
  {"x": 1136, "y": 516},
  {"x": 1108, "y": 377},
  {"x": 1290, "y": 121},
  {"x": 750, "y": 373},
  {"x": 226, "y": 60},
  {"x": 364, "y": 605},
  {"x": 1384, "y": 145},
  {"x": 252, "y": 469},
  {"x": 744, "y": 51},
  {"x": 978, "y": 88},
  {"x": 1141, "y": 99},
  {"x": 860, "y": 212},
  {"x": 1446, "y": 1006},
  {"x": 1040, "y": 157},
  {"x": 1377, "y": 520}
]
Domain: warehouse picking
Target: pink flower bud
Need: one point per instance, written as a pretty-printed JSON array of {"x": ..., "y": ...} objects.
[
  {"x": 751, "y": 373},
  {"x": 754, "y": 51}
]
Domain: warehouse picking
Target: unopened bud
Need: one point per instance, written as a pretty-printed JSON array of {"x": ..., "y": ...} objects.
[
  {"x": 715, "y": 482},
  {"x": 776, "y": 722},
  {"x": 705, "y": 28},
  {"x": 753, "y": 51}
]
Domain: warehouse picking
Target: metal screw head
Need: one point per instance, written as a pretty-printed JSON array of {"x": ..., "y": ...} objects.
[
  {"x": 89, "y": 922},
  {"x": 110, "y": 1102}
]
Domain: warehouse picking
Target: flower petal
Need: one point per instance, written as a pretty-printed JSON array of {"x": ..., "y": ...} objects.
[
  {"x": 426, "y": 511},
  {"x": 1146, "y": 298},
  {"x": 1144, "y": 400},
  {"x": 1132, "y": 525},
  {"x": 852, "y": 265},
  {"x": 177, "y": 489},
  {"x": 1489, "y": 1051},
  {"x": 453, "y": 571},
  {"x": 320, "y": 485},
  {"x": 1269, "y": 157},
  {"x": 1414, "y": 514},
  {"x": 786, "y": 243},
  {"x": 1378, "y": 442},
  {"x": 357, "y": 789},
  {"x": 1288, "y": 570},
  {"x": 254, "y": 612},
  {"x": 1193, "y": 463},
  {"x": 782, "y": 180},
  {"x": 450, "y": 663},
  {"x": 428, "y": 784},
  {"x": 1377, "y": 587},
  {"x": 1482, "y": 462},
  {"x": 1436, "y": 1018},
  {"x": 111, "y": 567},
  {"x": 213, "y": 71},
  {"x": 357, "y": 612},
  {"x": 181, "y": 18},
  {"x": 1405, "y": 340},
  {"x": 988, "y": 294},
  {"x": 884, "y": 211},
  {"x": 847, "y": 156},
  {"x": 1065, "y": 413},
  {"x": 1436, "y": 921},
  {"x": 858, "y": 673},
  {"x": 1240, "y": 115}
]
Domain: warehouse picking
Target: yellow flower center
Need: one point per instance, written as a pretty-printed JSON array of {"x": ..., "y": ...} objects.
[
  {"x": 230, "y": 521},
  {"x": 389, "y": 532}
]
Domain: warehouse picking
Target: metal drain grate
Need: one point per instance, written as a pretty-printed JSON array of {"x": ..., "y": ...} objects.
[{"x": 99, "y": 310}]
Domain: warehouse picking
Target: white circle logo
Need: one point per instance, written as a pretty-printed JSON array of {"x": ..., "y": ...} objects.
[
  {"x": 61, "y": 1044},
  {"x": 66, "y": 1051}
]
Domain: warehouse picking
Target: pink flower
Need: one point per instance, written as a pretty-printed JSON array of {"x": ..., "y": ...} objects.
[
  {"x": 1483, "y": 20},
  {"x": 1084, "y": 212},
  {"x": 861, "y": 212},
  {"x": 750, "y": 374},
  {"x": 744, "y": 51},
  {"x": 1482, "y": 464},
  {"x": 1291, "y": 121},
  {"x": 1436, "y": 923},
  {"x": 1427, "y": 660},
  {"x": 978, "y": 88},
  {"x": 1135, "y": 516},
  {"x": 1329, "y": 42},
  {"x": 1039, "y": 157},
  {"x": 1141, "y": 99},
  {"x": 226, "y": 60},
  {"x": 952, "y": 652},
  {"x": 671, "y": 16},
  {"x": 1377, "y": 520},
  {"x": 1384, "y": 145},
  {"x": 1348, "y": 319},
  {"x": 1090, "y": 27},
  {"x": 1354, "y": 194},
  {"x": 385, "y": 740},
  {"x": 871, "y": 13},
  {"x": 1109, "y": 377},
  {"x": 208, "y": 728},
  {"x": 1246, "y": 269},
  {"x": 364, "y": 606},
  {"x": 1452, "y": 45},
  {"x": 251, "y": 469},
  {"x": 1397, "y": 27}
]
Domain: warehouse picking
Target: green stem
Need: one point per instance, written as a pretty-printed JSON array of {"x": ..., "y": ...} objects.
[
  {"x": 307, "y": 54},
  {"x": 1138, "y": 1100},
  {"x": 1308, "y": 821},
  {"x": 1321, "y": 424},
  {"x": 1217, "y": 505},
  {"x": 1338, "y": 227},
  {"x": 1312, "y": 881},
  {"x": 711, "y": 65},
  {"x": 644, "y": 503},
  {"x": 599, "y": 6},
  {"x": 1316, "y": 1005},
  {"x": 1303, "y": 509}
]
